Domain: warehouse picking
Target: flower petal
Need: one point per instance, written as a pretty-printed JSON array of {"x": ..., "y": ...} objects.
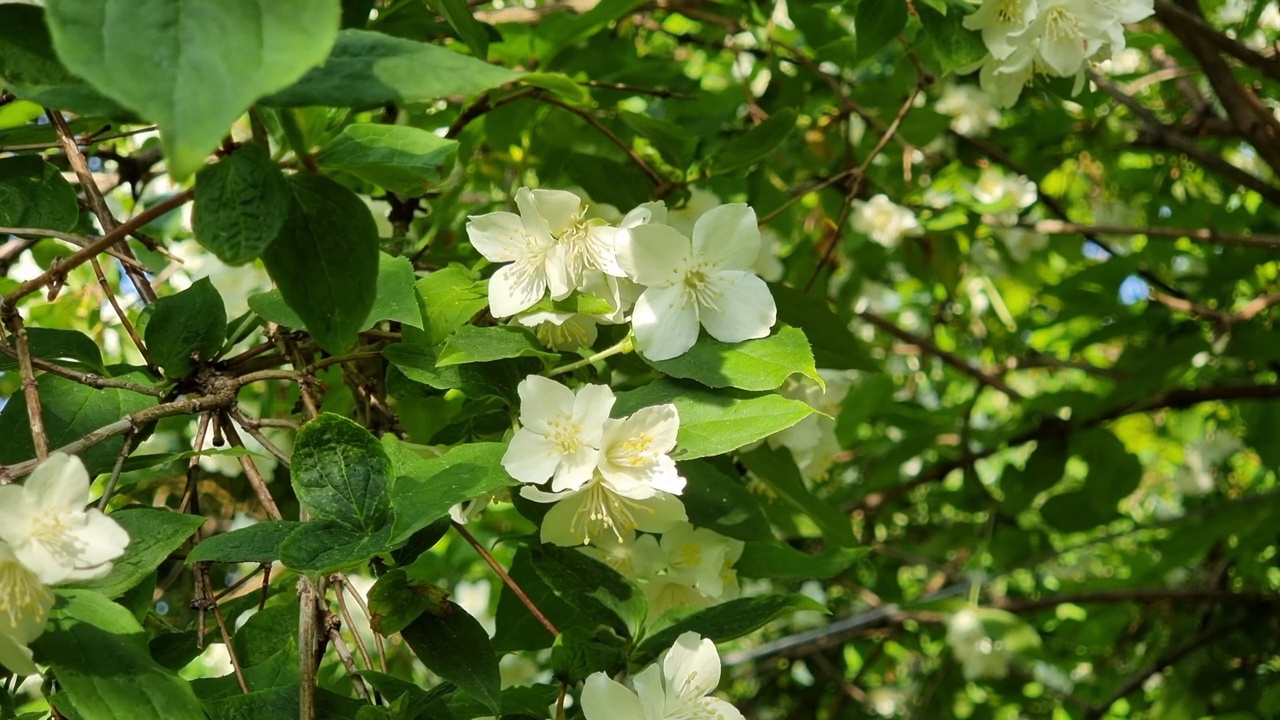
[
  {"x": 744, "y": 310},
  {"x": 665, "y": 323},
  {"x": 692, "y": 667},
  {"x": 575, "y": 469},
  {"x": 533, "y": 220},
  {"x": 542, "y": 399},
  {"x": 500, "y": 236},
  {"x": 591, "y": 407},
  {"x": 604, "y": 699},
  {"x": 653, "y": 255},
  {"x": 648, "y": 685},
  {"x": 659, "y": 513},
  {"x": 16, "y": 656},
  {"x": 60, "y": 483},
  {"x": 559, "y": 208},
  {"x": 99, "y": 541},
  {"x": 531, "y": 458},
  {"x": 515, "y": 288},
  {"x": 727, "y": 237}
]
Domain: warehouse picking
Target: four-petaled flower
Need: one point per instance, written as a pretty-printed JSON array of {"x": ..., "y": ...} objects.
[
  {"x": 560, "y": 434},
  {"x": 679, "y": 687},
  {"x": 706, "y": 280}
]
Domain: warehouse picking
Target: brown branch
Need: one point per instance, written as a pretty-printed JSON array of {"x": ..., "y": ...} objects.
[
  {"x": 591, "y": 120},
  {"x": 945, "y": 356},
  {"x": 97, "y": 203},
  {"x": 98, "y": 246},
  {"x": 76, "y": 240},
  {"x": 506, "y": 579},
  {"x": 203, "y": 602},
  {"x": 250, "y": 468},
  {"x": 89, "y": 139},
  {"x": 1170, "y": 14},
  {"x": 30, "y": 390},
  {"x": 123, "y": 318},
  {"x": 1207, "y": 236},
  {"x": 1137, "y": 595}
]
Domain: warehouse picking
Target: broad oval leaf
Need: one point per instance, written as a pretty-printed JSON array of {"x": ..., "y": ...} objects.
[
  {"x": 470, "y": 344},
  {"x": 405, "y": 160},
  {"x": 433, "y": 486},
  {"x": 242, "y": 202},
  {"x": 367, "y": 69},
  {"x": 595, "y": 588},
  {"x": 29, "y": 68},
  {"x": 453, "y": 645},
  {"x": 325, "y": 260},
  {"x": 340, "y": 473},
  {"x": 33, "y": 194},
  {"x": 323, "y": 546},
  {"x": 206, "y": 61},
  {"x": 762, "y": 364},
  {"x": 153, "y": 536},
  {"x": 259, "y": 542},
  {"x": 186, "y": 326}
]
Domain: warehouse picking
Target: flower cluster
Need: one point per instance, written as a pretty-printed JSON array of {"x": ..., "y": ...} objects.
[
  {"x": 607, "y": 476},
  {"x": 1052, "y": 37},
  {"x": 47, "y": 537},
  {"x": 884, "y": 221},
  {"x": 668, "y": 283},
  {"x": 677, "y": 687}
]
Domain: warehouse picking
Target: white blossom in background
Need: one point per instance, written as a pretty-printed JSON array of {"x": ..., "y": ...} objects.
[
  {"x": 704, "y": 281},
  {"x": 812, "y": 441},
  {"x": 768, "y": 265},
  {"x": 560, "y": 433},
  {"x": 981, "y": 656},
  {"x": 48, "y": 528},
  {"x": 677, "y": 687},
  {"x": 1007, "y": 195},
  {"x": 1022, "y": 242},
  {"x": 883, "y": 221},
  {"x": 683, "y": 218},
  {"x": 635, "y": 451},
  {"x": 703, "y": 559},
  {"x": 973, "y": 112},
  {"x": 24, "y": 607}
]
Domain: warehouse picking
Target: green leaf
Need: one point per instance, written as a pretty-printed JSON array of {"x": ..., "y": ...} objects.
[
  {"x": 340, "y": 473},
  {"x": 153, "y": 536},
  {"x": 367, "y": 69},
  {"x": 186, "y": 327},
  {"x": 726, "y": 621},
  {"x": 259, "y": 542},
  {"x": 242, "y": 202},
  {"x": 672, "y": 141},
  {"x": 396, "y": 600},
  {"x": 270, "y": 306},
  {"x": 324, "y": 546},
  {"x": 477, "y": 380},
  {"x": 778, "y": 470},
  {"x": 561, "y": 85},
  {"x": 206, "y": 61},
  {"x": 465, "y": 472},
  {"x": 458, "y": 14},
  {"x": 762, "y": 364},
  {"x": 754, "y": 145},
  {"x": 456, "y": 647},
  {"x": 325, "y": 261},
  {"x": 595, "y": 588},
  {"x": 104, "y": 669},
  {"x": 33, "y": 194},
  {"x": 405, "y": 160},
  {"x": 877, "y": 23},
  {"x": 954, "y": 45},
  {"x": 450, "y": 297},
  {"x": 715, "y": 422},
  {"x": 834, "y": 346},
  {"x": 1043, "y": 470},
  {"x": 471, "y": 344},
  {"x": 30, "y": 69},
  {"x": 716, "y": 501},
  {"x": 67, "y": 347},
  {"x": 69, "y": 411},
  {"x": 780, "y": 561},
  {"x": 397, "y": 298},
  {"x": 516, "y": 627}
]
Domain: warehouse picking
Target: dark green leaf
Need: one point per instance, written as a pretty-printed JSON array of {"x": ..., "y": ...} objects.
[
  {"x": 753, "y": 146},
  {"x": 66, "y": 347},
  {"x": 1043, "y": 470},
  {"x": 834, "y": 346},
  {"x": 427, "y": 493},
  {"x": 186, "y": 327},
  {"x": 670, "y": 140},
  {"x": 206, "y": 61},
  {"x": 595, "y": 588},
  {"x": 367, "y": 69},
  {"x": 402, "y": 159},
  {"x": 30, "y": 68},
  {"x": 340, "y": 473},
  {"x": 104, "y": 670},
  {"x": 397, "y": 298},
  {"x": 324, "y": 546},
  {"x": 153, "y": 536},
  {"x": 325, "y": 261},
  {"x": 778, "y": 470},
  {"x": 396, "y": 600},
  {"x": 454, "y": 646},
  {"x": 725, "y": 621},
  {"x": 877, "y": 23},
  {"x": 780, "y": 561},
  {"x": 470, "y": 344},
  {"x": 715, "y": 501},
  {"x": 458, "y": 14},
  {"x": 33, "y": 194},
  {"x": 762, "y": 364},
  {"x": 242, "y": 202},
  {"x": 716, "y": 422},
  {"x": 259, "y": 542},
  {"x": 954, "y": 46}
]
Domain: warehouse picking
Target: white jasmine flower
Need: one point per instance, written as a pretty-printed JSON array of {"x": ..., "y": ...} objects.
[
  {"x": 883, "y": 221},
  {"x": 638, "y": 559},
  {"x": 768, "y": 265},
  {"x": 48, "y": 528},
  {"x": 1069, "y": 32},
  {"x": 1007, "y": 194},
  {"x": 679, "y": 690},
  {"x": 972, "y": 111},
  {"x": 979, "y": 654},
  {"x": 1004, "y": 82},
  {"x": 600, "y": 508},
  {"x": 561, "y": 331},
  {"x": 700, "y": 558},
  {"x": 634, "y": 451},
  {"x": 999, "y": 21},
  {"x": 683, "y": 219},
  {"x": 705, "y": 281},
  {"x": 664, "y": 593},
  {"x": 525, "y": 241},
  {"x": 24, "y": 608},
  {"x": 1022, "y": 242},
  {"x": 560, "y": 433},
  {"x": 812, "y": 441}
]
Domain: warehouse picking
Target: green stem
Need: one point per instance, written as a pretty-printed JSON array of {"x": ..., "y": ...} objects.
[{"x": 627, "y": 345}]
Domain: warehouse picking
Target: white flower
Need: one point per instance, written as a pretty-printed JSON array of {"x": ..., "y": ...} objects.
[
  {"x": 560, "y": 433},
  {"x": 1068, "y": 32},
  {"x": 999, "y": 20},
  {"x": 883, "y": 221},
  {"x": 634, "y": 451},
  {"x": 600, "y": 508},
  {"x": 24, "y": 608},
  {"x": 1009, "y": 194},
  {"x": 690, "y": 672},
  {"x": 525, "y": 241},
  {"x": 701, "y": 558},
  {"x": 972, "y": 111},
  {"x": 705, "y": 281},
  {"x": 683, "y": 219},
  {"x": 1004, "y": 82},
  {"x": 1022, "y": 242},
  {"x": 561, "y": 331},
  {"x": 812, "y": 441},
  {"x": 981, "y": 656},
  {"x": 768, "y": 265},
  {"x": 50, "y": 531}
]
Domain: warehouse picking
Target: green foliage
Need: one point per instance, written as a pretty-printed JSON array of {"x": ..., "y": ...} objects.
[
  {"x": 153, "y": 536},
  {"x": 242, "y": 202},
  {"x": 33, "y": 194},
  {"x": 454, "y": 646},
  {"x": 186, "y": 328},
  {"x": 405, "y": 160}
]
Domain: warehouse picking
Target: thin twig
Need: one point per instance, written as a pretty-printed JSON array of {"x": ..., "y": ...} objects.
[
  {"x": 76, "y": 240},
  {"x": 613, "y": 138},
  {"x": 30, "y": 389},
  {"x": 250, "y": 468},
  {"x": 507, "y": 580},
  {"x": 949, "y": 358},
  {"x": 123, "y": 455},
  {"x": 1208, "y": 236}
]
